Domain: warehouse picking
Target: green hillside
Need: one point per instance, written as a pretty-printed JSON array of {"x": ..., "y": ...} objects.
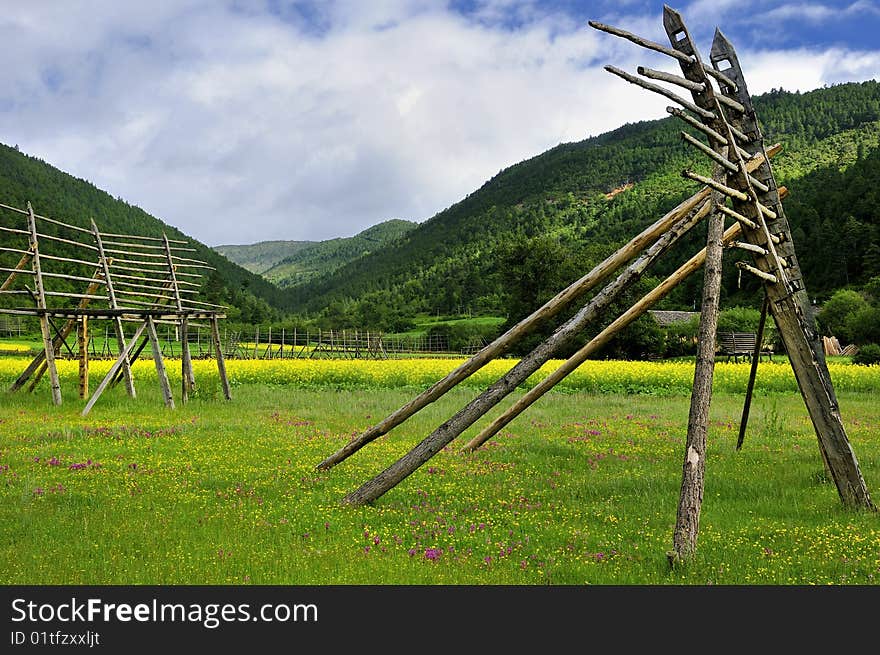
[
  {"x": 59, "y": 195},
  {"x": 260, "y": 257},
  {"x": 540, "y": 224},
  {"x": 319, "y": 258}
]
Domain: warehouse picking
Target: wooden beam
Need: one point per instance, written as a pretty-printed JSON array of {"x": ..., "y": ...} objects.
[
  {"x": 452, "y": 428},
  {"x": 161, "y": 373},
  {"x": 82, "y": 339},
  {"x": 111, "y": 296},
  {"x": 221, "y": 363},
  {"x": 119, "y": 363},
  {"x": 48, "y": 342},
  {"x": 596, "y": 343}
]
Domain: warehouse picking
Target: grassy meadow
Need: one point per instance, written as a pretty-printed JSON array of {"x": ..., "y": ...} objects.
[{"x": 580, "y": 489}]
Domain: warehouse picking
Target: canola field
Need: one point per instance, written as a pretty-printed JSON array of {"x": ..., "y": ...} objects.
[{"x": 580, "y": 489}]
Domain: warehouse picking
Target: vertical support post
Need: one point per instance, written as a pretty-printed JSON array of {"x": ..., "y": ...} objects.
[
  {"x": 111, "y": 297},
  {"x": 221, "y": 363},
  {"x": 187, "y": 379},
  {"x": 753, "y": 373},
  {"x": 82, "y": 339},
  {"x": 48, "y": 344},
  {"x": 156, "y": 347}
]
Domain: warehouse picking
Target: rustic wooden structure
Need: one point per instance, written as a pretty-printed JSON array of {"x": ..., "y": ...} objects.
[
  {"x": 128, "y": 279},
  {"x": 743, "y": 188}
]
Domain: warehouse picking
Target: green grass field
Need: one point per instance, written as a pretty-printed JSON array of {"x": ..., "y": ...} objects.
[{"x": 581, "y": 489}]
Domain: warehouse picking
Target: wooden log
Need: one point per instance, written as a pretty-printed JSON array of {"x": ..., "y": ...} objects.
[
  {"x": 452, "y": 428},
  {"x": 753, "y": 373},
  {"x": 661, "y": 76},
  {"x": 187, "y": 377},
  {"x": 82, "y": 339},
  {"x": 684, "y": 539},
  {"x": 19, "y": 268},
  {"x": 715, "y": 184},
  {"x": 104, "y": 261},
  {"x": 123, "y": 357},
  {"x": 687, "y": 104},
  {"x": 687, "y": 522},
  {"x": 69, "y": 242},
  {"x": 645, "y": 43},
  {"x": 48, "y": 343},
  {"x": 142, "y": 238},
  {"x": 600, "y": 340},
  {"x": 221, "y": 364},
  {"x": 551, "y": 308},
  {"x": 161, "y": 373},
  {"x": 767, "y": 277},
  {"x": 789, "y": 305}
]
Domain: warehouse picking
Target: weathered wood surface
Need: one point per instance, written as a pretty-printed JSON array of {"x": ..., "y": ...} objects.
[
  {"x": 452, "y": 428},
  {"x": 684, "y": 540},
  {"x": 48, "y": 342},
  {"x": 117, "y": 322},
  {"x": 221, "y": 362},
  {"x": 789, "y": 303},
  {"x": 158, "y": 360},
  {"x": 82, "y": 340},
  {"x": 550, "y": 309},
  {"x": 117, "y": 365}
]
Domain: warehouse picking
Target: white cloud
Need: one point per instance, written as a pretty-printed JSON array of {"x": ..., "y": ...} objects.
[{"x": 239, "y": 126}]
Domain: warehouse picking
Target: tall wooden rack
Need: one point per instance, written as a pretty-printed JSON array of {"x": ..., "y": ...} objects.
[
  {"x": 117, "y": 278},
  {"x": 742, "y": 189}
]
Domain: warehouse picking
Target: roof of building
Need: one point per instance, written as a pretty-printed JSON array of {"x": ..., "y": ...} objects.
[{"x": 668, "y": 317}]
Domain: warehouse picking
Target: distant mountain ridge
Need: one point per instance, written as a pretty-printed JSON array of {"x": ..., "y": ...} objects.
[
  {"x": 292, "y": 263},
  {"x": 539, "y": 224}
]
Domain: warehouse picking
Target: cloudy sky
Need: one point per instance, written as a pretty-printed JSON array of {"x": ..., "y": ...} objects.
[{"x": 247, "y": 120}]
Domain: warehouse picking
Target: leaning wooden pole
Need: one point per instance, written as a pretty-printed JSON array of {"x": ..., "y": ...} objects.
[
  {"x": 48, "y": 342},
  {"x": 691, "y": 496},
  {"x": 82, "y": 340},
  {"x": 789, "y": 306},
  {"x": 120, "y": 361},
  {"x": 161, "y": 373},
  {"x": 221, "y": 363},
  {"x": 753, "y": 374},
  {"x": 187, "y": 378},
  {"x": 465, "y": 417},
  {"x": 111, "y": 297},
  {"x": 551, "y": 308},
  {"x": 596, "y": 343},
  {"x": 723, "y": 150},
  {"x": 38, "y": 364}
]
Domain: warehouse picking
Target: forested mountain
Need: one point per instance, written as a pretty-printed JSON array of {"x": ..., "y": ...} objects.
[
  {"x": 60, "y": 196},
  {"x": 540, "y": 224},
  {"x": 260, "y": 257},
  {"x": 292, "y": 263}
]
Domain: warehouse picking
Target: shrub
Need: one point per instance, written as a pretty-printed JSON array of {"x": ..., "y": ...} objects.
[
  {"x": 832, "y": 318},
  {"x": 868, "y": 354}
]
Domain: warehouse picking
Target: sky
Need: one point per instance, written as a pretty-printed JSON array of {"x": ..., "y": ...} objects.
[{"x": 238, "y": 121}]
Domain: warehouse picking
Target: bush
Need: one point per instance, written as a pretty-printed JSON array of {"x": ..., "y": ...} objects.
[
  {"x": 868, "y": 354},
  {"x": 863, "y": 326},
  {"x": 834, "y": 315}
]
